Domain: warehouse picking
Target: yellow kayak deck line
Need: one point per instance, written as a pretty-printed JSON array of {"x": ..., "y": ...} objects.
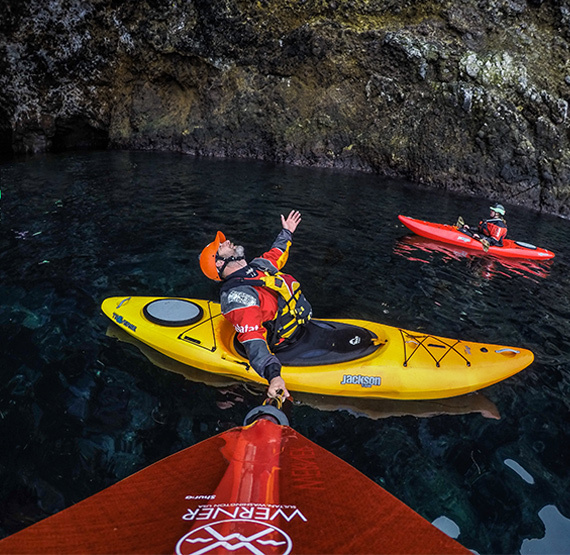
[{"x": 406, "y": 364}]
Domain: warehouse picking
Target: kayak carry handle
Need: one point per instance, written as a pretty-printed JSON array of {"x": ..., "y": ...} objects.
[
  {"x": 508, "y": 352},
  {"x": 125, "y": 300},
  {"x": 276, "y": 401}
]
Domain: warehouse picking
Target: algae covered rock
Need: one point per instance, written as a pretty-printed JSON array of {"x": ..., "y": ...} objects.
[{"x": 466, "y": 96}]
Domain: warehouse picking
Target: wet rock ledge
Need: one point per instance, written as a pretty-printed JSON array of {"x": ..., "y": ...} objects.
[{"x": 470, "y": 96}]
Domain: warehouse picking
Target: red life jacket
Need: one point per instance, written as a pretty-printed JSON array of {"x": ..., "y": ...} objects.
[
  {"x": 495, "y": 228},
  {"x": 283, "y": 298}
]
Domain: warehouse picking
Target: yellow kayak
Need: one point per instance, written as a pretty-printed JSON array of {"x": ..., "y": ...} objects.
[{"x": 396, "y": 364}]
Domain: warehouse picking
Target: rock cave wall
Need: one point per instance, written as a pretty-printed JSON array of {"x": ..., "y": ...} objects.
[{"x": 469, "y": 96}]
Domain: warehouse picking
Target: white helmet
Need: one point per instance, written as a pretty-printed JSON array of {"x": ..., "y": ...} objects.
[{"x": 498, "y": 208}]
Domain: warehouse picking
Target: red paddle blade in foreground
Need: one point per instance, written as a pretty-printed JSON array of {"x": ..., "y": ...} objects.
[{"x": 258, "y": 489}]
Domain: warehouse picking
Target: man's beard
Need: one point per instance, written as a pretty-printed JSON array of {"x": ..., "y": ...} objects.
[{"x": 240, "y": 251}]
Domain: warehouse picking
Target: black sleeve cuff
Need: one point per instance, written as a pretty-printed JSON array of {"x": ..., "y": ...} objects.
[{"x": 272, "y": 371}]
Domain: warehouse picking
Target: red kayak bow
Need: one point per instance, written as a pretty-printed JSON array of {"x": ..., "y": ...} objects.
[{"x": 261, "y": 488}]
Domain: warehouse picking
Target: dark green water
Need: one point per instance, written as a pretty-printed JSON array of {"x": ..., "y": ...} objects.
[{"x": 80, "y": 410}]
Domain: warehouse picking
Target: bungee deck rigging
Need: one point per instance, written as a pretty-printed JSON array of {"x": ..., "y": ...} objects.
[
  {"x": 419, "y": 341},
  {"x": 198, "y": 342}
]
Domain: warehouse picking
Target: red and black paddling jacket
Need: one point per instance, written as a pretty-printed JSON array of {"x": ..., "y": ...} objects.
[
  {"x": 495, "y": 230},
  {"x": 265, "y": 306}
]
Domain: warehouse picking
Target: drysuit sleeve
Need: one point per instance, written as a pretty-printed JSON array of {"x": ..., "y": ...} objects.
[
  {"x": 241, "y": 308},
  {"x": 482, "y": 227},
  {"x": 278, "y": 254}
]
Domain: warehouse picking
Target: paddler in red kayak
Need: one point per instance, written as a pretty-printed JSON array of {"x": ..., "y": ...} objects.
[
  {"x": 265, "y": 306},
  {"x": 491, "y": 231}
]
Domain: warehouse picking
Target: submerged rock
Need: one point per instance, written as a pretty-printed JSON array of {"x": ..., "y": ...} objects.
[{"x": 463, "y": 96}]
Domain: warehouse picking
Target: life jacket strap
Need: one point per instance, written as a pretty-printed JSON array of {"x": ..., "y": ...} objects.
[
  {"x": 227, "y": 261},
  {"x": 293, "y": 310}
]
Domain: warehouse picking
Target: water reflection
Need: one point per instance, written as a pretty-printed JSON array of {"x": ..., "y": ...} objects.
[
  {"x": 421, "y": 249},
  {"x": 556, "y": 539},
  {"x": 519, "y": 470},
  {"x": 447, "y": 525}
]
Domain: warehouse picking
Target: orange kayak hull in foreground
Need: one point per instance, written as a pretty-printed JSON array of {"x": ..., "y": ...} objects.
[{"x": 261, "y": 488}]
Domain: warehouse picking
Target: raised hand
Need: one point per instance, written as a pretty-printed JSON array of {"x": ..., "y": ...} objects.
[{"x": 292, "y": 220}]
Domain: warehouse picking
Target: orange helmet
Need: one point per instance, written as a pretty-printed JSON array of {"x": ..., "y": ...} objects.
[{"x": 208, "y": 257}]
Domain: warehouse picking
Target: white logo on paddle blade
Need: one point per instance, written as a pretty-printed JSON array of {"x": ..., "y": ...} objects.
[{"x": 250, "y": 536}]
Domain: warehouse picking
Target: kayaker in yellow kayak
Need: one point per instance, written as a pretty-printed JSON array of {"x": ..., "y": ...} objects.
[
  {"x": 266, "y": 306},
  {"x": 492, "y": 230}
]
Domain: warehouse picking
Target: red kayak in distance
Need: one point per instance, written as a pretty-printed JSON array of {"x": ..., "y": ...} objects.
[
  {"x": 451, "y": 235},
  {"x": 256, "y": 489}
]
